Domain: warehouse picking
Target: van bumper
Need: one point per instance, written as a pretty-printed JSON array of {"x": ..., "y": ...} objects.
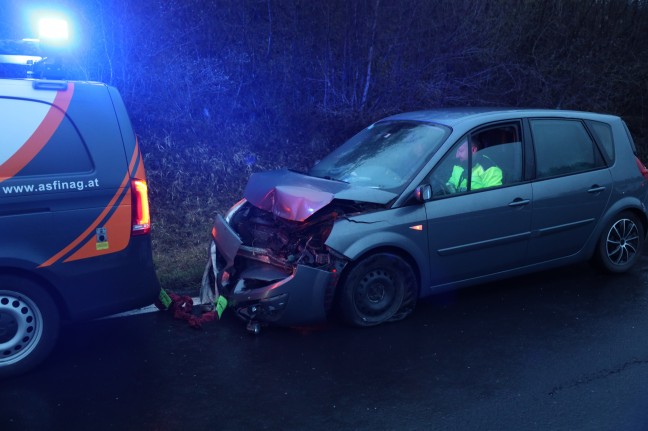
[{"x": 108, "y": 284}]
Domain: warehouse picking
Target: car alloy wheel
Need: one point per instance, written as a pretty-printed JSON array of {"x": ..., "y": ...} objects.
[{"x": 621, "y": 244}]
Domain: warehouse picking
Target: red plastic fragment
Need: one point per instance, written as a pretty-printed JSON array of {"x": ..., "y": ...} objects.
[{"x": 182, "y": 309}]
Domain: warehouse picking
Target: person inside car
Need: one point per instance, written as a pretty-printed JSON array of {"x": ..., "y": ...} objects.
[{"x": 485, "y": 172}]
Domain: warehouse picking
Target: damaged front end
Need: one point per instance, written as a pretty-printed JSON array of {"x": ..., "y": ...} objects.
[
  {"x": 271, "y": 269},
  {"x": 269, "y": 256}
]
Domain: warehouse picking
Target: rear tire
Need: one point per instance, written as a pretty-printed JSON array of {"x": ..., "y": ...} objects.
[
  {"x": 621, "y": 243},
  {"x": 29, "y": 325},
  {"x": 377, "y": 289}
]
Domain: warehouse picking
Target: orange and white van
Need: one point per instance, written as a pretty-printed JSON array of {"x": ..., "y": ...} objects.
[{"x": 74, "y": 217}]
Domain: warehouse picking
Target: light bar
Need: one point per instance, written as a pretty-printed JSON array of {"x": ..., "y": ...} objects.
[{"x": 53, "y": 29}]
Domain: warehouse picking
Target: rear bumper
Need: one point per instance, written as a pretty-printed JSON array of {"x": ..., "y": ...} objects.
[
  {"x": 107, "y": 284},
  {"x": 261, "y": 292}
]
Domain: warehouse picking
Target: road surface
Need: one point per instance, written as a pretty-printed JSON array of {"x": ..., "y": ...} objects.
[{"x": 561, "y": 350}]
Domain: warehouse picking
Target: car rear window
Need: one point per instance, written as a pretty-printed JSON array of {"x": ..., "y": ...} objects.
[
  {"x": 603, "y": 134},
  {"x": 563, "y": 147},
  {"x": 632, "y": 143}
]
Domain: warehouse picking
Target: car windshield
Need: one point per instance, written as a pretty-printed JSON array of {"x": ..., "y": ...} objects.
[{"x": 385, "y": 155}]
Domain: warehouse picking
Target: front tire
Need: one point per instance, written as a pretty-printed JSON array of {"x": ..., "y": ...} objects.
[
  {"x": 621, "y": 243},
  {"x": 377, "y": 289},
  {"x": 29, "y": 325}
]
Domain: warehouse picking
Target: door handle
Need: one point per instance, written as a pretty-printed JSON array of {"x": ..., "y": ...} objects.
[
  {"x": 517, "y": 202},
  {"x": 596, "y": 189}
]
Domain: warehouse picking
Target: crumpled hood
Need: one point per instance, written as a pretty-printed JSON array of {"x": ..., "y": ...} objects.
[{"x": 296, "y": 196}]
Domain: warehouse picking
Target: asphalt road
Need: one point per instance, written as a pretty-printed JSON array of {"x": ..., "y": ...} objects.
[{"x": 563, "y": 350}]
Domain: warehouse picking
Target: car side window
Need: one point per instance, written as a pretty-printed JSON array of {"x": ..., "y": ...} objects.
[
  {"x": 488, "y": 157},
  {"x": 508, "y": 157},
  {"x": 603, "y": 134},
  {"x": 563, "y": 147}
]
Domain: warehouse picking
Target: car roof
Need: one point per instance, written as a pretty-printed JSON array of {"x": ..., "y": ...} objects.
[{"x": 466, "y": 116}]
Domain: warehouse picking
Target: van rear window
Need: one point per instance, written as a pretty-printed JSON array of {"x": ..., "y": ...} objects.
[{"x": 27, "y": 132}]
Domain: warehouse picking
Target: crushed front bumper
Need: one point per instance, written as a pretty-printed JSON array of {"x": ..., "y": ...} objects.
[{"x": 260, "y": 291}]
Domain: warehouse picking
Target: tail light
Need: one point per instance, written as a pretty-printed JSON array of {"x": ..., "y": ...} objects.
[
  {"x": 642, "y": 168},
  {"x": 141, "y": 218}
]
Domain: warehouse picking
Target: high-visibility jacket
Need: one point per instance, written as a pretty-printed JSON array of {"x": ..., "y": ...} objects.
[{"x": 484, "y": 174}]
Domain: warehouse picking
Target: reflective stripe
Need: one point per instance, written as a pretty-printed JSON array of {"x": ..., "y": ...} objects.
[{"x": 112, "y": 217}]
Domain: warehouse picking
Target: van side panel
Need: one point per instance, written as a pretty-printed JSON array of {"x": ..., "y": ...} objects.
[
  {"x": 124, "y": 123},
  {"x": 65, "y": 201}
]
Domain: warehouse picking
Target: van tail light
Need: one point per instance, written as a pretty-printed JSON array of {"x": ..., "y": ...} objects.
[
  {"x": 642, "y": 168},
  {"x": 141, "y": 217}
]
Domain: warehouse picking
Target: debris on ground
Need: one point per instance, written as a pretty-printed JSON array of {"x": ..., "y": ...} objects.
[{"x": 182, "y": 308}]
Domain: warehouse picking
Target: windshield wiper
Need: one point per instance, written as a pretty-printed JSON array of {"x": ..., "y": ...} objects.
[{"x": 330, "y": 178}]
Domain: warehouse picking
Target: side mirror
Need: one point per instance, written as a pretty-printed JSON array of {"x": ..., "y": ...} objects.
[{"x": 423, "y": 193}]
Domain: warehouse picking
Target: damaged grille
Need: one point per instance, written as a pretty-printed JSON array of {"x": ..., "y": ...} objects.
[
  {"x": 258, "y": 251},
  {"x": 282, "y": 243},
  {"x": 272, "y": 247}
]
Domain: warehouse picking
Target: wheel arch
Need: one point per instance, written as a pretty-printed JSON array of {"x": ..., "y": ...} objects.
[
  {"x": 641, "y": 215},
  {"x": 601, "y": 257},
  {"x": 630, "y": 204},
  {"x": 48, "y": 287},
  {"x": 387, "y": 249}
]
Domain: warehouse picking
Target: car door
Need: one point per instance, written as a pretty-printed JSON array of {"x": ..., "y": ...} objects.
[
  {"x": 478, "y": 234},
  {"x": 484, "y": 231},
  {"x": 571, "y": 190}
]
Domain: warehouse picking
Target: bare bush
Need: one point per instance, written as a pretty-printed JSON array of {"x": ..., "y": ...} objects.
[{"x": 220, "y": 89}]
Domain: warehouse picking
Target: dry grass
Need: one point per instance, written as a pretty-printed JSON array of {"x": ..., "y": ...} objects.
[
  {"x": 180, "y": 265},
  {"x": 192, "y": 177}
]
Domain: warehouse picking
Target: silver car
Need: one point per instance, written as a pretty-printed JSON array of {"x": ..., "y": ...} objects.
[{"x": 423, "y": 202}]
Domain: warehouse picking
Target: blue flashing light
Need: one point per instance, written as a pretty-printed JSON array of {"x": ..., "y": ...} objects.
[{"x": 53, "y": 29}]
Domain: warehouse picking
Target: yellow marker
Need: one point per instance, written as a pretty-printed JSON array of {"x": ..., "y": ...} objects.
[
  {"x": 165, "y": 299},
  {"x": 102, "y": 246},
  {"x": 221, "y": 304}
]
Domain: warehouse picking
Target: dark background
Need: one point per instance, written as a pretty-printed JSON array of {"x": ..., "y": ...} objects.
[{"x": 220, "y": 89}]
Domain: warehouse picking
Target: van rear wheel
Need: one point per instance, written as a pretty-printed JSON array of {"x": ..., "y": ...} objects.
[{"x": 29, "y": 325}]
